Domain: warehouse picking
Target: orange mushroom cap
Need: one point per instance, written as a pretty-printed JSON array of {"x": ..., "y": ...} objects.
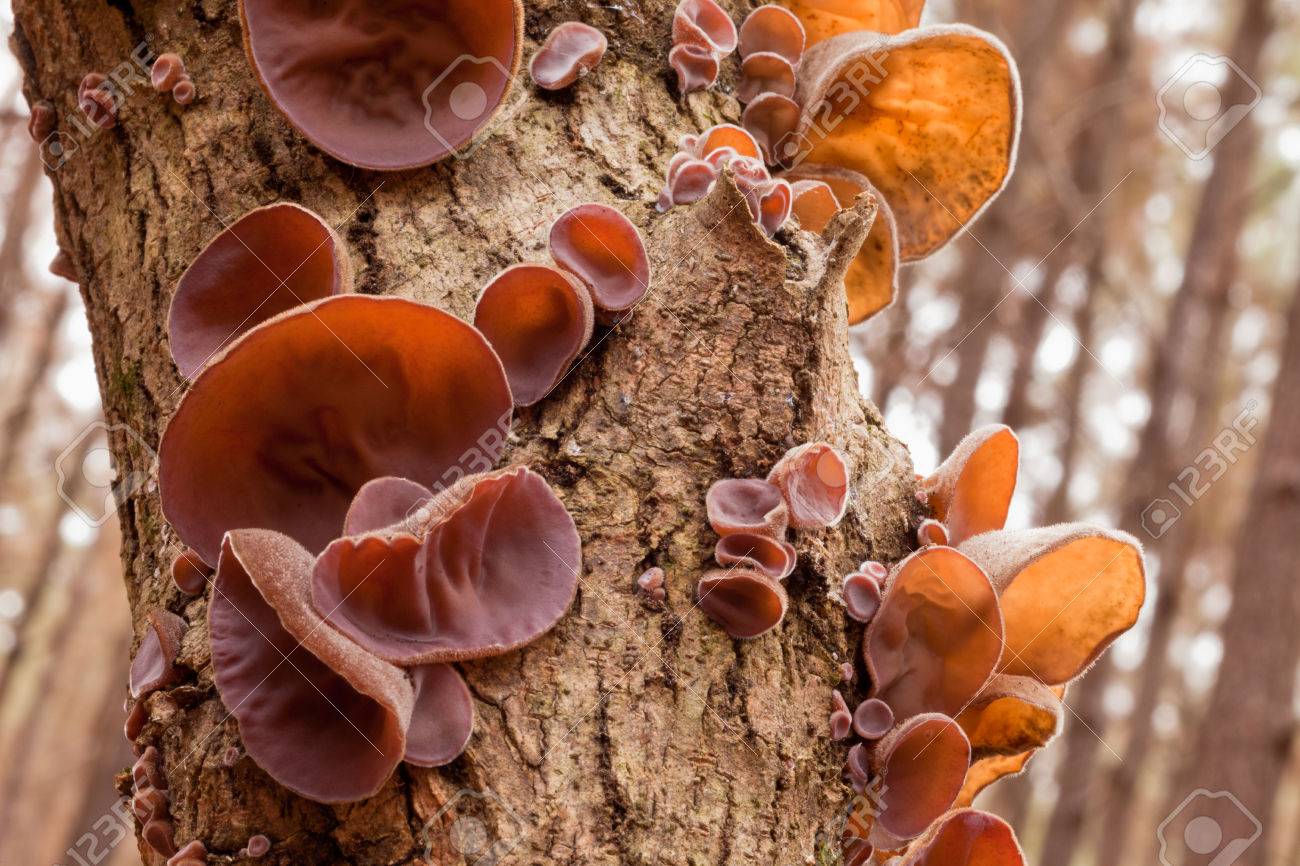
[
  {"x": 937, "y": 637},
  {"x": 825, "y": 18},
  {"x": 765, "y": 72},
  {"x": 775, "y": 29},
  {"x": 281, "y": 430},
  {"x": 923, "y": 762},
  {"x": 705, "y": 24},
  {"x": 966, "y": 837},
  {"x": 270, "y": 260},
  {"x": 385, "y": 85},
  {"x": 971, "y": 490},
  {"x": 1012, "y": 715},
  {"x": 321, "y": 715},
  {"x": 571, "y": 50},
  {"x": 771, "y": 556},
  {"x": 490, "y": 564},
  {"x": 727, "y": 135},
  {"x": 985, "y": 771},
  {"x": 935, "y": 126},
  {"x": 745, "y": 603},
  {"x": 1066, "y": 592},
  {"x": 602, "y": 248},
  {"x": 537, "y": 318},
  {"x": 814, "y": 479},
  {"x": 871, "y": 283}
]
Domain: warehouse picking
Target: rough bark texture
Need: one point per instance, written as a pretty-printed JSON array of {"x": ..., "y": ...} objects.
[{"x": 632, "y": 733}]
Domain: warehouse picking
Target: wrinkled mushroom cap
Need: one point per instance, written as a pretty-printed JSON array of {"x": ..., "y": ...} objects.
[
  {"x": 971, "y": 490},
  {"x": 814, "y": 480},
  {"x": 705, "y": 24},
  {"x": 772, "y": 28},
  {"x": 571, "y": 50},
  {"x": 745, "y": 603},
  {"x": 321, "y": 715},
  {"x": 935, "y": 128},
  {"x": 937, "y": 637},
  {"x": 1011, "y": 715},
  {"x": 871, "y": 283},
  {"x": 1066, "y": 591},
  {"x": 281, "y": 430},
  {"x": 493, "y": 565},
  {"x": 383, "y": 84},
  {"x": 966, "y": 837},
  {"x": 696, "y": 67},
  {"x": 923, "y": 762},
  {"x": 602, "y": 248},
  {"x": 537, "y": 318},
  {"x": 823, "y": 19},
  {"x": 270, "y": 260},
  {"x": 749, "y": 505}
]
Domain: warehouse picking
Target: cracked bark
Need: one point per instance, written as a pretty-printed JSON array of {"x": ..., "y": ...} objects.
[{"x": 632, "y": 733}]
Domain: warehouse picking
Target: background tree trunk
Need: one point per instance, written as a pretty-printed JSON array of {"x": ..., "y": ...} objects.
[{"x": 631, "y": 733}]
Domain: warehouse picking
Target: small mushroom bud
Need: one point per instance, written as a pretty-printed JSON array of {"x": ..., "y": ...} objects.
[
  {"x": 99, "y": 106},
  {"x": 135, "y": 721},
  {"x": 872, "y": 719},
  {"x": 814, "y": 479},
  {"x": 195, "y": 853},
  {"x": 841, "y": 719},
  {"x": 167, "y": 71},
  {"x": 773, "y": 557},
  {"x": 861, "y": 596},
  {"x": 749, "y": 505},
  {"x": 697, "y": 68},
  {"x": 765, "y": 72},
  {"x": 745, "y": 603},
  {"x": 847, "y": 672},
  {"x": 931, "y": 531},
  {"x": 652, "y": 584},
  {"x": 772, "y": 119},
  {"x": 706, "y": 24},
  {"x": 157, "y": 834},
  {"x": 183, "y": 91},
  {"x": 602, "y": 248},
  {"x": 258, "y": 845},
  {"x": 189, "y": 572},
  {"x": 154, "y": 666},
  {"x": 63, "y": 266},
  {"x": 538, "y": 319},
  {"x": 858, "y": 767},
  {"x": 772, "y": 28},
  {"x": 570, "y": 51},
  {"x": 42, "y": 121},
  {"x": 230, "y": 757}
]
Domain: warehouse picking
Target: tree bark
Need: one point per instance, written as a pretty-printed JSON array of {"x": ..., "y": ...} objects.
[{"x": 631, "y": 733}]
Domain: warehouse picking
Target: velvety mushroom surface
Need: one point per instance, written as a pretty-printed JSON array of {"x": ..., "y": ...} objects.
[
  {"x": 324, "y": 717},
  {"x": 1012, "y": 715},
  {"x": 825, "y": 18},
  {"x": 270, "y": 260},
  {"x": 745, "y": 603},
  {"x": 384, "y": 84},
  {"x": 774, "y": 29},
  {"x": 571, "y": 50},
  {"x": 966, "y": 837},
  {"x": 154, "y": 665},
  {"x": 971, "y": 490},
  {"x": 283, "y": 430},
  {"x": 922, "y": 762}
]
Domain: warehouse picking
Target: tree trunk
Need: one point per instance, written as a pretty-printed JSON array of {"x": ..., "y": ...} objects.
[
  {"x": 631, "y": 733},
  {"x": 1261, "y": 645}
]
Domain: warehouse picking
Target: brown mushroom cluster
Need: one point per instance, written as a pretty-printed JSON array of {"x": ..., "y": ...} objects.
[
  {"x": 703, "y": 34},
  {"x": 538, "y": 317},
  {"x": 700, "y": 161},
  {"x": 150, "y": 802},
  {"x": 968, "y": 645},
  {"x": 570, "y": 51},
  {"x": 168, "y": 75},
  {"x": 808, "y": 488},
  {"x": 337, "y": 474}
]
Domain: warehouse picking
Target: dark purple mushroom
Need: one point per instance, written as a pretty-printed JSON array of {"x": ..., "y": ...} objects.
[
  {"x": 154, "y": 666},
  {"x": 538, "y": 319},
  {"x": 386, "y": 86},
  {"x": 493, "y": 565},
  {"x": 749, "y": 505},
  {"x": 745, "y": 603},
  {"x": 773, "y": 557},
  {"x": 149, "y": 803},
  {"x": 602, "y": 248},
  {"x": 157, "y": 834},
  {"x": 136, "y": 718},
  {"x": 62, "y": 265},
  {"x": 272, "y": 259},
  {"x": 329, "y": 719},
  {"x": 570, "y": 51},
  {"x": 443, "y": 718},
  {"x": 872, "y": 719},
  {"x": 284, "y": 428},
  {"x": 195, "y": 853}
]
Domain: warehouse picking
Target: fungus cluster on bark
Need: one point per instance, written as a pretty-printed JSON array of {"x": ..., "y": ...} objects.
[
  {"x": 703, "y": 33},
  {"x": 702, "y": 158},
  {"x": 168, "y": 75},
  {"x": 808, "y": 488},
  {"x": 570, "y": 51},
  {"x": 968, "y": 650},
  {"x": 337, "y": 475}
]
